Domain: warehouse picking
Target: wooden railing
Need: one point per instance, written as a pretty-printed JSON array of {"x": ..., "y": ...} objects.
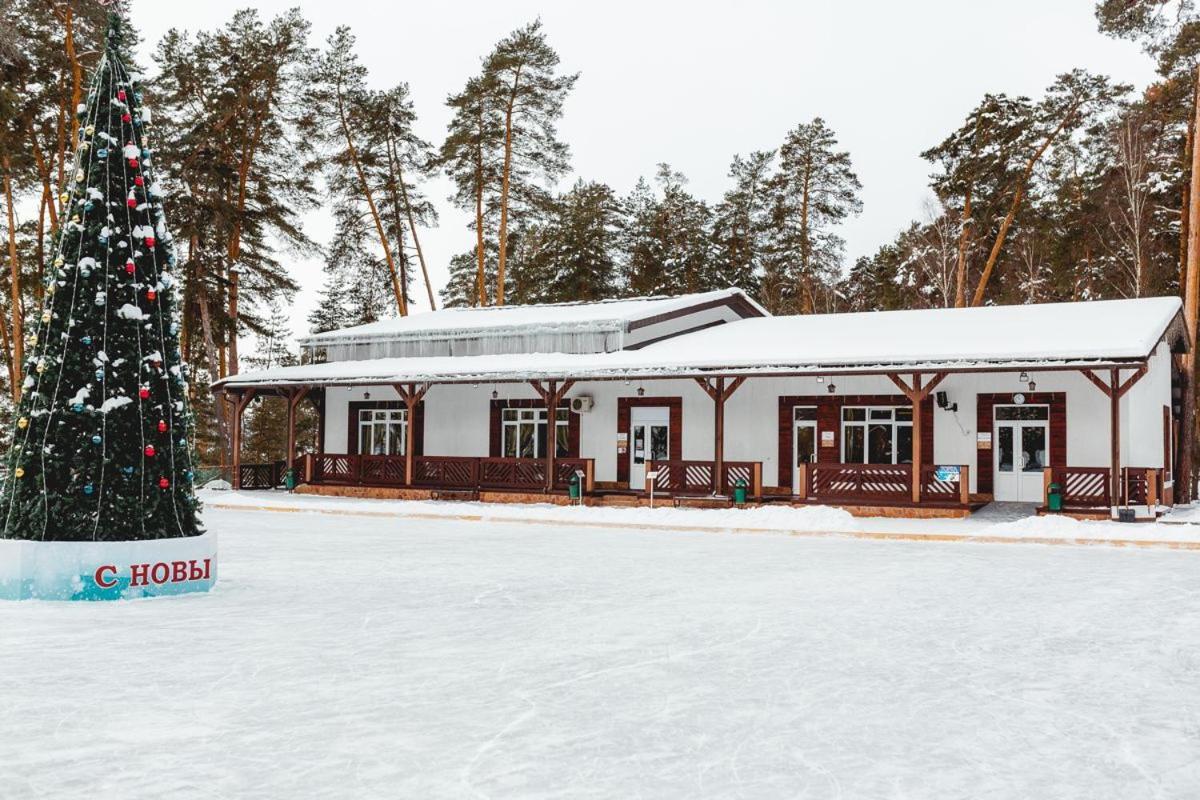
[
  {"x": 682, "y": 477},
  {"x": 1089, "y": 487},
  {"x": 1142, "y": 486},
  {"x": 886, "y": 483},
  {"x": 1081, "y": 487},
  {"x": 447, "y": 472},
  {"x": 946, "y": 483},
  {"x": 261, "y": 476}
]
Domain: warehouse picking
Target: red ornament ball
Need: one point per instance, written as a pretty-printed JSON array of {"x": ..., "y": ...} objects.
[
  {"x": 131, "y": 202},
  {"x": 162, "y": 426},
  {"x": 149, "y": 451},
  {"x": 138, "y": 181},
  {"x": 129, "y": 267},
  {"x": 126, "y": 117},
  {"x": 121, "y": 95},
  {"x": 144, "y": 393},
  {"x": 163, "y": 483},
  {"x": 151, "y": 294},
  {"x": 133, "y": 162},
  {"x": 150, "y": 241}
]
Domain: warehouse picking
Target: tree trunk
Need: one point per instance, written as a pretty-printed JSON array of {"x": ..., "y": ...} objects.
[
  {"x": 412, "y": 225},
  {"x": 214, "y": 359},
  {"x": 505, "y": 178},
  {"x": 17, "y": 344},
  {"x": 397, "y": 289},
  {"x": 76, "y": 71},
  {"x": 808, "y": 302},
  {"x": 1191, "y": 304},
  {"x": 964, "y": 239},
  {"x": 1018, "y": 196}
]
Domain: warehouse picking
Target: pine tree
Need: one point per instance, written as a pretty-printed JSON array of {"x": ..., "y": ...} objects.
[
  {"x": 817, "y": 190},
  {"x": 101, "y": 446}
]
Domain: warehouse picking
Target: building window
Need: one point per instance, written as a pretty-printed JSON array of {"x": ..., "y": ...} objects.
[
  {"x": 877, "y": 435},
  {"x": 523, "y": 433},
  {"x": 382, "y": 431}
]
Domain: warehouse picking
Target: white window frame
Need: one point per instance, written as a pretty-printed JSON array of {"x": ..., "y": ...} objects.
[
  {"x": 390, "y": 419},
  {"x": 867, "y": 423},
  {"x": 513, "y": 419}
]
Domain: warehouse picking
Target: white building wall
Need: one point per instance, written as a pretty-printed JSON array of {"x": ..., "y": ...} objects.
[{"x": 457, "y": 416}]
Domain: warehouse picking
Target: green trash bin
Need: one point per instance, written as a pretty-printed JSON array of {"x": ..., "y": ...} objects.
[
  {"x": 289, "y": 479},
  {"x": 573, "y": 486},
  {"x": 739, "y": 492},
  {"x": 1054, "y": 497}
]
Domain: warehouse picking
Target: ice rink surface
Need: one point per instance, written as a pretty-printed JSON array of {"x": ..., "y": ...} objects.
[{"x": 344, "y": 657}]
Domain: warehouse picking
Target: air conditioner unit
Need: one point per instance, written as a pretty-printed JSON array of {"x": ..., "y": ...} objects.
[{"x": 582, "y": 404}]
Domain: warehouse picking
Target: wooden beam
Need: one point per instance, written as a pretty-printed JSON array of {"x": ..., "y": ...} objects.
[
  {"x": 537, "y": 387},
  {"x": 733, "y": 387},
  {"x": 293, "y": 401},
  {"x": 718, "y": 396},
  {"x": 707, "y": 387},
  {"x": 1115, "y": 437},
  {"x": 1099, "y": 384},
  {"x": 239, "y": 406},
  {"x": 916, "y": 396},
  {"x": 933, "y": 383},
  {"x": 1131, "y": 380},
  {"x": 551, "y": 397},
  {"x": 904, "y": 387}
]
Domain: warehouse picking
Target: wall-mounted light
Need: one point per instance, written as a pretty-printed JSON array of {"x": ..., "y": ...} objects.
[
  {"x": 832, "y": 388},
  {"x": 641, "y": 391},
  {"x": 1024, "y": 378},
  {"x": 495, "y": 394},
  {"x": 1033, "y": 386},
  {"x": 820, "y": 379},
  {"x": 366, "y": 395}
]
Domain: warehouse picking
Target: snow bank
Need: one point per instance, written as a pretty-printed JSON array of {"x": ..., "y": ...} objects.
[{"x": 778, "y": 518}]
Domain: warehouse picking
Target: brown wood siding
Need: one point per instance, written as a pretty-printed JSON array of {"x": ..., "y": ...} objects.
[
  {"x": 985, "y": 405},
  {"x": 829, "y": 418},
  {"x": 352, "y": 424},
  {"x": 496, "y": 425},
  {"x": 674, "y": 407}
]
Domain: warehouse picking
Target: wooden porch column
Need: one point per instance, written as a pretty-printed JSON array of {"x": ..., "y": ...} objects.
[
  {"x": 412, "y": 394},
  {"x": 917, "y": 395},
  {"x": 239, "y": 406},
  {"x": 293, "y": 399},
  {"x": 719, "y": 392},
  {"x": 552, "y": 394},
  {"x": 1115, "y": 390}
]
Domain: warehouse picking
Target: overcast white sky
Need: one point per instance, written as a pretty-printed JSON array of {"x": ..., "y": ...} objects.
[{"x": 692, "y": 83}]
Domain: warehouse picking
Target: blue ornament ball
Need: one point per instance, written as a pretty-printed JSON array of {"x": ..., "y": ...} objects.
[
  {"x": 99, "y": 374},
  {"x": 86, "y": 339},
  {"x": 145, "y": 152},
  {"x": 88, "y": 488},
  {"x": 127, "y": 470},
  {"x": 102, "y": 152},
  {"x": 77, "y": 407},
  {"x": 96, "y": 439}
]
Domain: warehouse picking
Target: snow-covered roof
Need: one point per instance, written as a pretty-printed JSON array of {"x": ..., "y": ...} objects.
[
  {"x": 995, "y": 337},
  {"x": 499, "y": 320}
]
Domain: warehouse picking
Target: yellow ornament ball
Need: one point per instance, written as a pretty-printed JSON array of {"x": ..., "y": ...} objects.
[
  {"x": 45, "y": 316},
  {"x": 23, "y": 423},
  {"x": 89, "y": 130},
  {"x": 64, "y": 197},
  {"x": 75, "y": 219},
  {"x": 52, "y": 288},
  {"x": 58, "y": 262},
  {"x": 41, "y": 368},
  {"x": 79, "y": 175},
  {"x": 83, "y": 146},
  {"x": 19, "y": 472}
]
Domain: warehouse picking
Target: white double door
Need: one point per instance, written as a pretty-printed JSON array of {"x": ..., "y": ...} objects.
[
  {"x": 804, "y": 448},
  {"x": 649, "y": 437},
  {"x": 1021, "y": 451}
]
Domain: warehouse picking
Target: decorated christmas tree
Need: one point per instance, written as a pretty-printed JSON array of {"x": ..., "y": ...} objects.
[{"x": 101, "y": 445}]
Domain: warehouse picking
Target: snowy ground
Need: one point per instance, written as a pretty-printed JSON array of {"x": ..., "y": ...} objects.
[{"x": 353, "y": 657}]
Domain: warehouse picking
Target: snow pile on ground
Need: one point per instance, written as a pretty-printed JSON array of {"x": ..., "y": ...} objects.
[
  {"x": 996, "y": 521},
  {"x": 342, "y": 657},
  {"x": 217, "y": 485}
]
